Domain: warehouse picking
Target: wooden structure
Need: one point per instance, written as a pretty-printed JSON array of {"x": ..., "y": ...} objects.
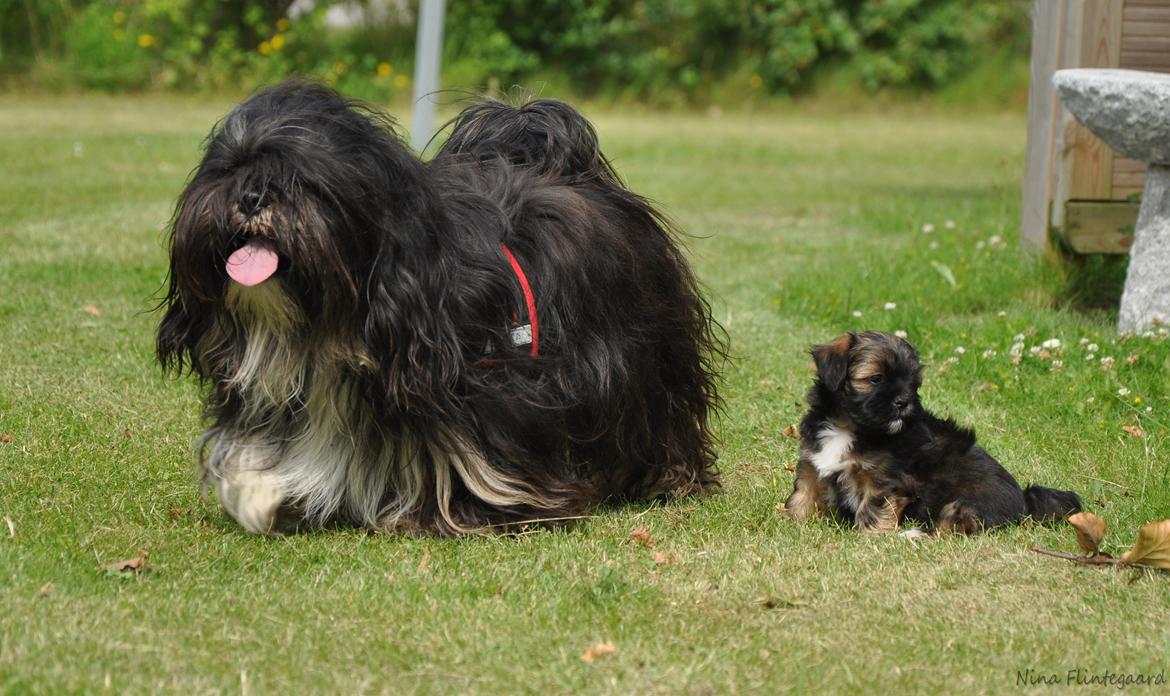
[{"x": 1076, "y": 190}]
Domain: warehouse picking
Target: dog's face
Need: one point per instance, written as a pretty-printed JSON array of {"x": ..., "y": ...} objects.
[
  {"x": 290, "y": 180},
  {"x": 308, "y": 208},
  {"x": 873, "y": 377}
]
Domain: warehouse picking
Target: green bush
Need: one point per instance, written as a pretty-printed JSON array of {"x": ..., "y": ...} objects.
[{"x": 656, "y": 50}]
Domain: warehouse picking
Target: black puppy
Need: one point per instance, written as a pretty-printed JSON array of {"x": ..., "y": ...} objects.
[{"x": 871, "y": 454}]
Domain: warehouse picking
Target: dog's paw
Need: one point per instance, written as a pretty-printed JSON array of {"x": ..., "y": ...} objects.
[{"x": 253, "y": 499}]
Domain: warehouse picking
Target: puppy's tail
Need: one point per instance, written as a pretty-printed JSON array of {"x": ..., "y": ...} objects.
[
  {"x": 545, "y": 135},
  {"x": 1048, "y": 504}
]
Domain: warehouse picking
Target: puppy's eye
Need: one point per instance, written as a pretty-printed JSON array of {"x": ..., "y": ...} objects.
[{"x": 876, "y": 379}]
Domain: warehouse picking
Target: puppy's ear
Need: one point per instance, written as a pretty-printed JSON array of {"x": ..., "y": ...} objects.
[{"x": 832, "y": 360}]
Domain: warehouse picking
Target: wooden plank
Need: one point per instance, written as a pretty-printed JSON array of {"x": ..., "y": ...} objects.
[
  {"x": 1043, "y": 114},
  {"x": 1142, "y": 44},
  {"x": 1129, "y": 176},
  {"x": 1147, "y": 3},
  {"x": 1099, "y": 227},
  {"x": 1156, "y": 61},
  {"x": 1089, "y": 160},
  {"x": 1144, "y": 29},
  {"x": 1136, "y": 13}
]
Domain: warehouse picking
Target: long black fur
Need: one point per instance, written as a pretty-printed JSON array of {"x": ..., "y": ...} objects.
[
  {"x": 904, "y": 463},
  {"x": 407, "y": 301}
]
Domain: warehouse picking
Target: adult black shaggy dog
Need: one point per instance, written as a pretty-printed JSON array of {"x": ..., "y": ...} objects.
[{"x": 505, "y": 334}]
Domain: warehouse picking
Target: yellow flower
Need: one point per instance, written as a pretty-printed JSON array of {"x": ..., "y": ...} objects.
[
  {"x": 145, "y": 40},
  {"x": 1137, "y": 400},
  {"x": 265, "y": 48},
  {"x": 384, "y": 69},
  {"x": 401, "y": 81},
  {"x": 119, "y": 17},
  {"x": 282, "y": 24},
  {"x": 277, "y": 42}
]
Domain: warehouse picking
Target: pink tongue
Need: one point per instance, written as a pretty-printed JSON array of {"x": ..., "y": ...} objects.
[{"x": 252, "y": 264}]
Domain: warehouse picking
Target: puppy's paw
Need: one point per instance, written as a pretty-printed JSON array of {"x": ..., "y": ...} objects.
[
  {"x": 253, "y": 499},
  {"x": 957, "y": 518}
]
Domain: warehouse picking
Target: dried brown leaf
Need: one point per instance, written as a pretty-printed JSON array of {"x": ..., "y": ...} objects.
[
  {"x": 5, "y": 439},
  {"x": 1090, "y": 531},
  {"x": 1152, "y": 547},
  {"x": 426, "y": 560},
  {"x": 662, "y": 558},
  {"x": 1134, "y": 430},
  {"x": 642, "y": 537},
  {"x": 92, "y": 310},
  {"x": 175, "y": 513},
  {"x": 791, "y": 432},
  {"x": 130, "y": 565},
  {"x": 599, "y": 650},
  {"x": 46, "y": 588}
]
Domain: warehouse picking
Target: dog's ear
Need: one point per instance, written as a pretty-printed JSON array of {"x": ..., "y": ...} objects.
[{"x": 832, "y": 360}]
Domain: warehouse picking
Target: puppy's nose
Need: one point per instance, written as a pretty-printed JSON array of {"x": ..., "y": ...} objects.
[
  {"x": 902, "y": 402},
  {"x": 251, "y": 202}
]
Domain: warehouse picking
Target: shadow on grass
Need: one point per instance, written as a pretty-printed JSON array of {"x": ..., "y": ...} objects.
[{"x": 1092, "y": 283}]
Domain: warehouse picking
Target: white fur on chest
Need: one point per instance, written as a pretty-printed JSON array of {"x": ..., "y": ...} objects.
[{"x": 834, "y": 444}]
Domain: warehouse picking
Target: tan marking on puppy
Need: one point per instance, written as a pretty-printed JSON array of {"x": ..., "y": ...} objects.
[
  {"x": 872, "y": 354},
  {"x": 957, "y": 519},
  {"x": 838, "y": 348},
  {"x": 808, "y": 498},
  {"x": 888, "y": 516}
]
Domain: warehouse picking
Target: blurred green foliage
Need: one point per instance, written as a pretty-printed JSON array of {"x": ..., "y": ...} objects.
[{"x": 681, "y": 51}]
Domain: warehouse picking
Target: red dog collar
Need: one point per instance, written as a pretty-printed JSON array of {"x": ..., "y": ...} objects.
[{"x": 518, "y": 334}]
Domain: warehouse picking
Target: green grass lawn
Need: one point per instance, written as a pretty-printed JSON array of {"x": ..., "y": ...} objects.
[{"x": 800, "y": 221}]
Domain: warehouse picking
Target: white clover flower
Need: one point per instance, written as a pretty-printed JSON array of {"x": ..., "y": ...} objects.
[
  {"x": 1107, "y": 362},
  {"x": 1092, "y": 347},
  {"x": 1057, "y": 364},
  {"x": 1018, "y": 337},
  {"x": 989, "y": 353},
  {"x": 927, "y": 228},
  {"x": 901, "y": 334},
  {"x": 857, "y": 313},
  {"x": 995, "y": 240},
  {"x": 934, "y": 245},
  {"x": 949, "y": 224},
  {"x": 1083, "y": 342},
  {"x": 951, "y": 360},
  {"x": 1123, "y": 392},
  {"x": 890, "y": 306},
  {"x": 1001, "y": 313},
  {"x": 1090, "y": 356},
  {"x": 980, "y": 244},
  {"x": 1035, "y": 350},
  {"x": 960, "y": 350},
  {"x": 1017, "y": 349},
  {"x": 1149, "y": 409},
  {"x": 1147, "y": 334},
  {"x": 1051, "y": 344}
]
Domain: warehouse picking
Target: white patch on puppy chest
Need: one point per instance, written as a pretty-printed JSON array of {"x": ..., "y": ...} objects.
[{"x": 834, "y": 443}]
